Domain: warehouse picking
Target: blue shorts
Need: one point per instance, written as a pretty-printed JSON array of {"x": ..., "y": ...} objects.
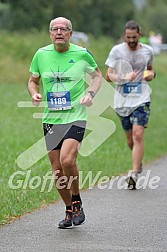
[{"x": 139, "y": 116}]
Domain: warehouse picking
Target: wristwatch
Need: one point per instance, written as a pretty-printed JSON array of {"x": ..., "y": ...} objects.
[{"x": 92, "y": 93}]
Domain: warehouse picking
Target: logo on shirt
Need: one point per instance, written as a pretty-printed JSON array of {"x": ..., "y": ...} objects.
[
  {"x": 58, "y": 78},
  {"x": 71, "y": 61}
]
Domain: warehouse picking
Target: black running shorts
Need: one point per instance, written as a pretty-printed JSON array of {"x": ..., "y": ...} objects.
[{"x": 55, "y": 134}]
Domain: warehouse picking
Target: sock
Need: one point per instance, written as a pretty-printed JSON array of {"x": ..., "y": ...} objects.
[
  {"x": 69, "y": 208},
  {"x": 76, "y": 198},
  {"x": 135, "y": 174}
]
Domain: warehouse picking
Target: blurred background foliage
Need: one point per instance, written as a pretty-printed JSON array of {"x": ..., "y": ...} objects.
[{"x": 98, "y": 17}]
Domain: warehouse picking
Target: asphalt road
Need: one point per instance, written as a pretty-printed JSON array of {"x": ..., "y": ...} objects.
[{"x": 116, "y": 220}]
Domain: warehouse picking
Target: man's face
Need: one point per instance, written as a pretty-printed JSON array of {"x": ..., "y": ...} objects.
[
  {"x": 60, "y": 33},
  {"x": 131, "y": 38}
]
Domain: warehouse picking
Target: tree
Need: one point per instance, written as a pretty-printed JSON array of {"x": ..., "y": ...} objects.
[
  {"x": 155, "y": 13},
  {"x": 98, "y": 17},
  {"x": 4, "y": 14},
  {"x": 28, "y": 14}
]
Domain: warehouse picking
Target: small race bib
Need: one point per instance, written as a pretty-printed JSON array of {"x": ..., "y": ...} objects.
[
  {"x": 59, "y": 100},
  {"x": 132, "y": 88}
]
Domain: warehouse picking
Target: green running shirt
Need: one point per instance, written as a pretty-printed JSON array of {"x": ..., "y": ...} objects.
[{"x": 63, "y": 79}]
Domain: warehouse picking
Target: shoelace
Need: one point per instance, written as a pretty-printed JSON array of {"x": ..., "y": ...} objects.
[
  {"x": 76, "y": 207},
  {"x": 68, "y": 214}
]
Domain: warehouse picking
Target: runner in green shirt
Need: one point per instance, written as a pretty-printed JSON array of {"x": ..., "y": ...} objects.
[
  {"x": 62, "y": 68},
  {"x": 62, "y": 75}
]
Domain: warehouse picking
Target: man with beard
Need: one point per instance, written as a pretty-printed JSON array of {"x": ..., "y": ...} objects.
[{"x": 130, "y": 68}]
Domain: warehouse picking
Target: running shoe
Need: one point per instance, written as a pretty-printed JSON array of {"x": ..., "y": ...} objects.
[
  {"x": 78, "y": 213},
  {"x": 67, "y": 222},
  {"x": 132, "y": 180}
]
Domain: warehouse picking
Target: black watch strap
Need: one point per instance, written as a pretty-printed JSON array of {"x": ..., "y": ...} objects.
[{"x": 92, "y": 93}]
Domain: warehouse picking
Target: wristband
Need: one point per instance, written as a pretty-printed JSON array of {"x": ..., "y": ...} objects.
[{"x": 92, "y": 93}]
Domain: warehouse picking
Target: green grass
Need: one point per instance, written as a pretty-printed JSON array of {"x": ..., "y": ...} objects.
[{"x": 19, "y": 130}]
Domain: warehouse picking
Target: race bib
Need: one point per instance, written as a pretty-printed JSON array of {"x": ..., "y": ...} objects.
[
  {"x": 59, "y": 100},
  {"x": 133, "y": 88}
]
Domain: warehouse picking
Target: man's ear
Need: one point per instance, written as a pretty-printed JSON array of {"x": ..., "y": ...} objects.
[
  {"x": 107, "y": 77},
  {"x": 71, "y": 33}
]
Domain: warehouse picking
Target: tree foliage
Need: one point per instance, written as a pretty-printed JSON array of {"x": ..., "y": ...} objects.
[
  {"x": 98, "y": 17},
  {"x": 29, "y": 14},
  {"x": 154, "y": 14},
  {"x": 91, "y": 16}
]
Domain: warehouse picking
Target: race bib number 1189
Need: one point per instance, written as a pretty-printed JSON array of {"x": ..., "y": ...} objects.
[{"x": 59, "y": 100}]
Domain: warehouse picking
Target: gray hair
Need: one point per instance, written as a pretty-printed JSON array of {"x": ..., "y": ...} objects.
[{"x": 69, "y": 24}]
